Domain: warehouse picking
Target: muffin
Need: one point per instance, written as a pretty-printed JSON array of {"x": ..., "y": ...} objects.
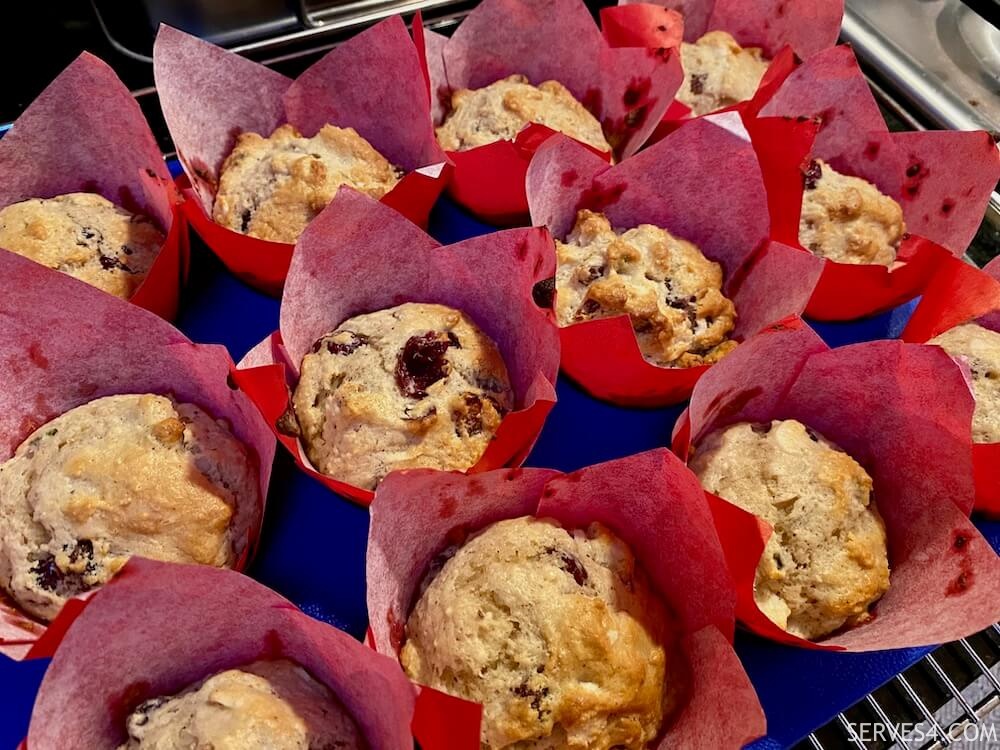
[
  {"x": 413, "y": 386},
  {"x": 266, "y": 705},
  {"x": 718, "y": 72},
  {"x": 825, "y": 563},
  {"x": 557, "y": 633},
  {"x": 502, "y": 109},
  {"x": 271, "y": 188},
  {"x": 135, "y": 474},
  {"x": 85, "y": 236},
  {"x": 981, "y": 349},
  {"x": 846, "y": 219},
  {"x": 669, "y": 290}
]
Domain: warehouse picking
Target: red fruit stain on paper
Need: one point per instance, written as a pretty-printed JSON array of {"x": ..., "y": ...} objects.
[
  {"x": 593, "y": 101},
  {"x": 947, "y": 206},
  {"x": 35, "y": 355},
  {"x": 872, "y": 149},
  {"x": 568, "y": 177},
  {"x": 397, "y": 630},
  {"x": 963, "y": 582},
  {"x": 448, "y": 506},
  {"x": 597, "y": 198},
  {"x": 916, "y": 173}
]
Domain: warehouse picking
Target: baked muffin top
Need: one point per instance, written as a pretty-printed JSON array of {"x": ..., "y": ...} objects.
[
  {"x": 135, "y": 474},
  {"x": 981, "y": 348},
  {"x": 718, "y": 72},
  {"x": 557, "y": 633},
  {"x": 671, "y": 292},
  {"x": 271, "y": 188},
  {"x": 413, "y": 386},
  {"x": 501, "y": 110},
  {"x": 825, "y": 563},
  {"x": 85, "y": 236},
  {"x": 847, "y": 220},
  {"x": 266, "y": 705}
]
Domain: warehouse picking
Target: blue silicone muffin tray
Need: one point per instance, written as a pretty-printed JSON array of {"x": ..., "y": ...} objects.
[{"x": 313, "y": 545}]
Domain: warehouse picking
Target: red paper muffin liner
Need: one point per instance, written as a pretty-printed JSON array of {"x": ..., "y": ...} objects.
[
  {"x": 159, "y": 627},
  {"x": 942, "y": 179},
  {"x": 649, "y": 500},
  {"x": 373, "y": 83},
  {"x": 628, "y": 90},
  {"x": 702, "y": 183},
  {"x": 85, "y": 133},
  {"x": 782, "y": 29},
  {"x": 960, "y": 293},
  {"x": 64, "y": 344},
  {"x": 904, "y": 412},
  {"x": 380, "y": 260}
]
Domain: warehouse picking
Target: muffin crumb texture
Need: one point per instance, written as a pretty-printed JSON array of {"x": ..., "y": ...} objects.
[
  {"x": 826, "y": 562},
  {"x": 271, "y": 188},
  {"x": 670, "y": 291},
  {"x": 501, "y": 110},
  {"x": 413, "y": 386},
  {"x": 557, "y": 633},
  {"x": 266, "y": 705},
  {"x": 981, "y": 348},
  {"x": 120, "y": 476},
  {"x": 847, "y": 220},
  {"x": 85, "y": 236},
  {"x": 718, "y": 72}
]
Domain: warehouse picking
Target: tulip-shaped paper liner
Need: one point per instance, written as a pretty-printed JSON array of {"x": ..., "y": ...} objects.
[
  {"x": 959, "y": 293},
  {"x": 85, "y": 133},
  {"x": 904, "y": 412},
  {"x": 159, "y": 627},
  {"x": 360, "y": 256},
  {"x": 626, "y": 89},
  {"x": 650, "y": 501},
  {"x": 702, "y": 184},
  {"x": 781, "y": 29},
  {"x": 373, "y": 83},
  {"x": 63, "y": 344},
  {"x": 942, "y": 180}
]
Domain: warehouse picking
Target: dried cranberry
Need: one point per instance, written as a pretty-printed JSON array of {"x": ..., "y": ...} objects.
[
  {"x": 544, "y": 292},
  {"x": 812, "y": 174},
  {"x": 593, "y": 274},
  {"x": 422, "y": 362},
  {"x": 761, "y": 429},
  {"x": 698, "y": 82},
  {"x": 589, "y": 307},
  {"x": 353, "y": 342},
  {"x": 108, "y": 262},
  {"x": 47, "y": 573},
  {"x": 245, "y": 220},
  {"x": 570, "y": 564}
]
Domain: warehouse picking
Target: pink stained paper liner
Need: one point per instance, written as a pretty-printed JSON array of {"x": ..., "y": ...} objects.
[
  {"x": 85, "y": 133},
  {"x": 959, "y": 293},
  {"x": 380, "y": 260},
  {"x": 642, "y": 25},
  {"x": 373, "y": 82},
  {"x": 904, "y": 412},
  {"x": 64, "y": 344},
  {"x": 649, "y": 500},
  {"x": 844, "y": 291},
  {"x": 158, "y": 628},
  {"x": 702, "y": 183},
  {"x": 626, "y": 89},
  {"x": 807, "y": 26},
  {"x": 943, "y": 179}
]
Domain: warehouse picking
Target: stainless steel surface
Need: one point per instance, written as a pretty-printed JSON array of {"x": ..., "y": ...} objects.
[{"x": 939, "y": 55}]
